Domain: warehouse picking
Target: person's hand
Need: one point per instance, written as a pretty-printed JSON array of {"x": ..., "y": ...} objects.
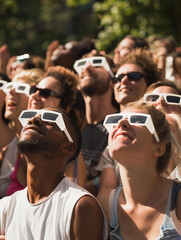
[
  {"x": 52, "y": 46},
  {"x": 4, "y": 57},
  {"x": 2, "y": 237}
]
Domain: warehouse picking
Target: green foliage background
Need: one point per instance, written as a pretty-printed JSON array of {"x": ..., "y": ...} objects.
[{"x": 30, "y": 25}]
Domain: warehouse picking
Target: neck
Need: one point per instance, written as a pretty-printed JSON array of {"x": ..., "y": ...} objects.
[
  {"x": 97, "y": 107},
  {"x": 42, "y": 178},
  {"x": 139, "y": 184}
]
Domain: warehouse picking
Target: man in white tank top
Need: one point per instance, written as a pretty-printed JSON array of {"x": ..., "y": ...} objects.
[{"x": 51, "y": 206}]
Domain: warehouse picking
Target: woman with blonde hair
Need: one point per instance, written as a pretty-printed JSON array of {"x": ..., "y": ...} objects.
[{"x": 146, "y": 205}]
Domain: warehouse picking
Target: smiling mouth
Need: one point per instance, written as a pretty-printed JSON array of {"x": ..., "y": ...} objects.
[
  {"x": 11, "y": 104},
  {"x": 123, "y": 136}
]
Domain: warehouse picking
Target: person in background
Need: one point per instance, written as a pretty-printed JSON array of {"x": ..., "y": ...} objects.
[
  {"x": 18, "y": 63},
  {"x": 140, "y": 141},
  {"x": 17, "y": 96},
  {"x": 135, "y": 74},
  {"x": 52, "y": 206},
  {"x": 166, "y": 96},
  {"x": 66, "y": 55},
  {"x": 127, "y": 44},
  {"x": 7, "y": 139},
  {"x": 95, "y": 84}
]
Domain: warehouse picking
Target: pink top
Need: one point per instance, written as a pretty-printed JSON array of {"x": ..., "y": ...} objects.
[{"x": 14, "y": 185}]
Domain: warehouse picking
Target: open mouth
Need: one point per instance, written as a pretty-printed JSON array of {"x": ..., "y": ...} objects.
[
  {"x": 123, "y": 136},
  {"x": 11, "y": 104}
]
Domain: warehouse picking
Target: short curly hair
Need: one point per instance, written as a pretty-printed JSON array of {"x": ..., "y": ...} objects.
[
  {"x": 144, "y": 60},
  {"x": 71, "y": 100}
]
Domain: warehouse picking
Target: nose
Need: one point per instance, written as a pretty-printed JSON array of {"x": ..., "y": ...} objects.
[
  {"x": 123, "y": 124},
  {"x": 35, "y": 121},
  {"x": 88, "y": 67},
  {"x": 35, "y": 95},
  {"x": 11, "y": 91},
  {"x": 125, "y": 79},
  {"x": 161, "y": 101}
]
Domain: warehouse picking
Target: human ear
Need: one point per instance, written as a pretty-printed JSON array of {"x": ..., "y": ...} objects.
[
  {"x": 159, "y": 150},
  {"x": 70, "y": 148}
]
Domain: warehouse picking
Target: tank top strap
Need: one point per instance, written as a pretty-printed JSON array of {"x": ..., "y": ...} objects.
[
  {"x": 175, "y": 189},
  {"x": 113, "y": 206}
]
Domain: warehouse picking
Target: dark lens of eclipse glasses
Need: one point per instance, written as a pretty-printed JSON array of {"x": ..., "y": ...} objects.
[{"x": 173, "y": 99}]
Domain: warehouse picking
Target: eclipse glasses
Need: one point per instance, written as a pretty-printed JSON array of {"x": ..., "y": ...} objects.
[
  {"x": 172, "y": 99},
  {"x": 136, "y": 119},
  {"x": 47, "y": 116},
  {"x": 96, "y": 61}
]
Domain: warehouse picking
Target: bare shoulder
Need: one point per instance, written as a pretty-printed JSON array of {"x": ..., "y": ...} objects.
[
  {"x": 87, "y": 213},
  {"x": 103, "y": 198}
]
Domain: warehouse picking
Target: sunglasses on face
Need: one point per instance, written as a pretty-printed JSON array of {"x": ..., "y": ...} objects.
[
  {"x": 132, "y": 76},
  {"x": 47, "y": 116},
  {"x": 172, "y": 99},
  {"x": 19, "y": 87},
  {"x": 2, "y": 84},
  {"x": 80, "y": 64},
  {"x": 136, "y": 119},
  {"x": 43, "y": 92}
]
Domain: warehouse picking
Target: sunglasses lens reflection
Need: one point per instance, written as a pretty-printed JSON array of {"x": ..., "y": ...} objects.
[
  {"x": 28, "y": 115},
  {"x": 134, "y": 76}
]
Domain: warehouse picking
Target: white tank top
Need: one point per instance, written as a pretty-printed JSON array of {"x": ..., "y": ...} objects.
[{"x": 49, "y": 219}]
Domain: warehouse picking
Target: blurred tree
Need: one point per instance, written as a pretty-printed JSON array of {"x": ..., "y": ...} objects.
[
  {"x": 141, "y": 18},
  {"x": 29, "y": 26}
]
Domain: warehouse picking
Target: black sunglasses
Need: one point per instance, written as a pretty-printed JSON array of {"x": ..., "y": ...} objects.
[
  {"x": 132, "y": 76},
  {"x": 44, "y": 92}
]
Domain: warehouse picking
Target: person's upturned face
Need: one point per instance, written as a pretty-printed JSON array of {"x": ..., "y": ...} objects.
[
  {"x": 124, "y": 47},
  {"x": 15, "y": 103},
  {"x": 129, "y": 91},
  {"x": 94, "y": 81},
  {"x": 36, "y": 101},
  {"x": 42, "y": 136},
  {"x": 162, "y": 105},
  {"x": 127, "y": 142}
]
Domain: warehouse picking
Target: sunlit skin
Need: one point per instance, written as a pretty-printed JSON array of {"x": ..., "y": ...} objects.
[
  {"x": 38, "y": 102},
  {"x": 123, "y": 48},
  {"x": 15, "y": 103},
  {"x": 129, "y": 91},
  {"x": 162, "y": 105},
  {"x": 96, "y": 77},
  {"x": 125, "y": 136},
  {"x": 143, "y": 190}
]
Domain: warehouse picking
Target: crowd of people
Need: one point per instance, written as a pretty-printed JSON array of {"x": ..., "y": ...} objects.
[{"x": 90, "y": 141}]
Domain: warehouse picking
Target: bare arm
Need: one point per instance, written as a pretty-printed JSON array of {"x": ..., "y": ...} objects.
[{"x": 87, "y": 220}]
